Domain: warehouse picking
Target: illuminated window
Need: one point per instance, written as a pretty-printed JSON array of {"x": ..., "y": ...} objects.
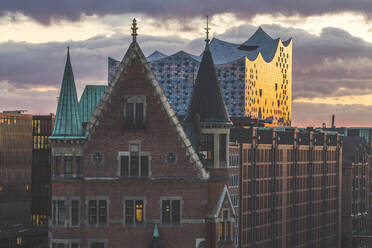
[
  {"x": 97, "y": 212},
  {"x": 134, "y": 211},
  {"x": 224, "y": 227},
  {"x": 207, "y": 149},
  {"x": 171, "y": 212}
]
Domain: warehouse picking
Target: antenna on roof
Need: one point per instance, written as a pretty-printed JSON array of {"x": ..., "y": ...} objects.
[
  {"x": 207, "y": 33},
  {"x": 134, "y": 30}
]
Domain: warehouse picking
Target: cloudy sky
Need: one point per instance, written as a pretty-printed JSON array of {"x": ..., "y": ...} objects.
[{"x": 332, "y": 47}]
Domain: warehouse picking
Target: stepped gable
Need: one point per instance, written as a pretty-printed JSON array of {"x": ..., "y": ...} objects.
[
  {"x": 134, "y": 56},
  {"x": 68, "y": 123}
]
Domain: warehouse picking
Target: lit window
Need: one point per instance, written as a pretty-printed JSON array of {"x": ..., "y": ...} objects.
[
  {"x": 225, "y": 227},
  {"x": 171, "y": 212},
  {"x": 134, "y": 211}
]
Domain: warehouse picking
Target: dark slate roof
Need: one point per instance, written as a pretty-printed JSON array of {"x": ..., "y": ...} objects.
[
  {"x": 207, "y": 101},
  {"x": 68, "y": 123},
  {"x": 89, "y": 100}
]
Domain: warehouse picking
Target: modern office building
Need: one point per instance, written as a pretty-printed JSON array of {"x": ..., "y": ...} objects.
[
  {"x": 255, "y": 77},
  {"x": 42, "y": 127},
  {"x": 132, "y": 176},
  {"x": 290, "y": 187},
  {"x": 15, "y": 168}
]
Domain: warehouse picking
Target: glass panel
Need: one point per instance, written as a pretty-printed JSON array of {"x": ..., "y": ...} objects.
[
  {"x": 223, "y": 149},
  {"x": 134, "y": 161},
  {"x": 129, "y": 208},
  {"x": 75, "y": 245},
  {"x": 58, "y": 162},
  {"x": 97, "y": 245},
  {"x": 139, "y": 211},
  {"x": 166, "y": 212},
  {"x": 220, "y": 229},
  {"x": 144, "y": 166},
  {"x": 54, "y": 211},
  {"x": 129, "y": 113},
  {"x": 61, "y": 212},
  {"x": 78, "y": 165},
  {"x": 102, "y": 212},
  {"x": 75, "y": 213},
  {"x": 124, "y": 166},
  {"x": 68, "y": 165},
  {"x": 207, "y": 149},
  {"x": 176, "y": 211},
  {"x": 139, "y": 113},
  {"x": 92, "y": 212}
]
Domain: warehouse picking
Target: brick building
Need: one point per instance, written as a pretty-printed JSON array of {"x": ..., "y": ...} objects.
[
  {"x": 290, "y": 187},
  {"x": 355, "y": 191},
  {"x": 133, "y": 176}
]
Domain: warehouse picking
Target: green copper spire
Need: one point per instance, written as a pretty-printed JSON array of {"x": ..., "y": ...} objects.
[
  {"x": 156, "y": 231},
  {"x": 67, "y": 123}
]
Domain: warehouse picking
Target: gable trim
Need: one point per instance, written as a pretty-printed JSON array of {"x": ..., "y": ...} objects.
[{"x": 217, "y": 209}]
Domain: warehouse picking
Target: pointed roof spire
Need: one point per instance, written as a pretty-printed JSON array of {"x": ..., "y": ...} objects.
[
  {"x": 134, "y": 30},
  {"x": 207, "y": 103},
  {"x": 207, "y": 40},
  {"x": 156, "y": 242},
  {"x": 156, "y": 232},
  {"x": 67, "y": 123}
]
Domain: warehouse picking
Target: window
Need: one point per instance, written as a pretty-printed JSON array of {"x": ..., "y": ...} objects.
[
  {"x": 207, "y": 149},
  {"x": 134, "y": 111},
  {"x": 75, "y": 206},
  {"x": 234, "y": 160},
  {"x": 57, "y": 165},
  {"x": 134, "y": 163},
  {"x": 134, "y": 211},
  {"x": 171, "y": 212},
  {"x": 68, "y": 165},
  {"x": 234, "y": 180},
  {"x": 225, "y": 227},
  {"x": 97, "y": 244},
  {"x": 223, "y": 149},
  {"x": 58, "y": 213},
  {"x": 235, "y": 200},
  {"x": 78, "y": 165},
  {"x": 97, "y": 212}
]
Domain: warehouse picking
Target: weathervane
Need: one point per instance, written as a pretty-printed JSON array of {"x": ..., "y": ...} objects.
[
  {"x": 207, "y": 32},
  {"x": 134, "y": 30}
]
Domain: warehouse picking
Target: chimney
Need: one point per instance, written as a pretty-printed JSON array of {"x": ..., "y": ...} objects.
[{"x": 333, "y": 121}]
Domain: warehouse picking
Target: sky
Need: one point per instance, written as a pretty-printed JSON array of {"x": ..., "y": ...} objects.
[{"x": 332, "y": 46}]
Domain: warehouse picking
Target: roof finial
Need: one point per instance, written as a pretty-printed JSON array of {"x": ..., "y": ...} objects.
[
  {"x": 134, "y": 30},
  {"x": 207, "y": 32}
]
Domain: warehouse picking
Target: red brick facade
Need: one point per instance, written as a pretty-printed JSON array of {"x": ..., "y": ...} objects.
[{"x": 94, "y": 182}]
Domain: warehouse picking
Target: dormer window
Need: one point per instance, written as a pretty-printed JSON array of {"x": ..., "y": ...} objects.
[
  {"x": 135, "y": 111},
  {"x": 225, "y": 227}
]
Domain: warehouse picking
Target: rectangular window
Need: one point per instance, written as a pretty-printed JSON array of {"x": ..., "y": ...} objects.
[
  {"x": 139, "y": 113},
  {"x": 134, "y": 212},
  {"x": 97, "y": 245},
  {"x": 129, "y": 112},
  {"x": 58, "y": 212},
  {"x": 223, "y": 149},
  {"x": 97, "y": 212},
  {"x": 57, "y": 164},
  {"x": 171, "y": 212},
  {"x": 75, "y": 245},
  {"x": 225, "y": 227},
  {"x": 75, "y": 212},
  {"x": 136, "y": 164},
  {"x": 78, "y": 165},
  {"x": 207, "y": 149},
  {"x": 68, "y": 165},
  {"x": 234, "y": 180}
]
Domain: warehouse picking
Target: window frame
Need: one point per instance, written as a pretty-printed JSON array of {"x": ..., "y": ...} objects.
[
  {"x": 134, "y": 199},
  {"x": 91, "y": 241},
  {"x": 78, "y": 213},
  {"x": 222, "y": 222},
  {"x": 66, "y": 242},
  {"x": 135, "y": 99},
  {"x": 56, "y": 211},
  {"x": 140, "y": 155},
  {"x": 171, "y": 199},
  {"x": 98, "y": 199}
]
